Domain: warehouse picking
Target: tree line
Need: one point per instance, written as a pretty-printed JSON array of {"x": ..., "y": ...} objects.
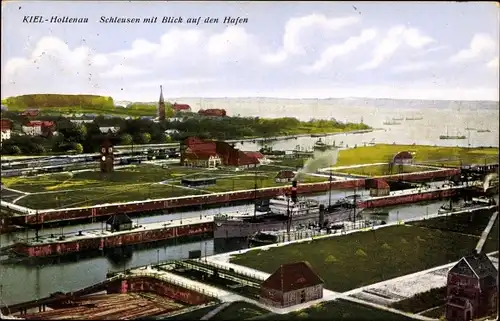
[{"x": 87, "y": 137}]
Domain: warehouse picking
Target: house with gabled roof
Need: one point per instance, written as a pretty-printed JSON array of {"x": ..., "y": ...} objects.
[
  {"x": 472, "y": 288},
  {"x": 292, "y": 284}
]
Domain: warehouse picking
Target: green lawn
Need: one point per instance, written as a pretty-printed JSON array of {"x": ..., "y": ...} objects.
[
  {"x": 384, "y": 153},
  {"x": 240, "y": 311},
  {"x": 141, "y": 174},
  {"x": 337, "y": 310},
  {"x": 380, "y": 170},
  {"x": 466, "y": 223},
  {"x": 358, "y": 259},
  {"x": 101, "y": 195}
]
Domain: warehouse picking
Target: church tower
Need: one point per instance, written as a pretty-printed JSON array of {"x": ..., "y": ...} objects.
[{"x": 161, "y": 106}]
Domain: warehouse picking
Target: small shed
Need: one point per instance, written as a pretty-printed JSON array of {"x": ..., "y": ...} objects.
[
  {"x": 471, "y": 288},
  {"x": 378, "y": 187},
  {"x": 119, "y": 222},
  {"x": 292, "y": 284},
  {"x": 190, "y": 182},
  {"x": 284, "y": 176}
]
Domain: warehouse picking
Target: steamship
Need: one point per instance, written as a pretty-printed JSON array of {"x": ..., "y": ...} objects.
[{"x": 285, "y": 212}]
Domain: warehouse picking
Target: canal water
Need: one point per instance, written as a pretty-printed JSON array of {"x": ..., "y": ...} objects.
[{"x": 21, "y": 281}]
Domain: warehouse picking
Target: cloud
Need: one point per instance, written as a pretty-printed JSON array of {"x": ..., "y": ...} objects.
[
  {"x": 493, "y": 63},
  {"x": 120, "y": 71},
  {"x": 481, "y": 43},
  {"x": 413, "y": 66},
  {"x": 295, "y": 28},
  {"x": 335, "y": 51},
  {"x": 395, "y": 38}
]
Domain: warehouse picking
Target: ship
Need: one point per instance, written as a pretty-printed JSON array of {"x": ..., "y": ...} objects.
[
  {"x": 451, "y": 136},
  {"x": 476, "y": 202},
  {"x": 483, "y": 131},
  {"x": 391, "y": 122},
  {"x": 285, "y": 212},
  {"x": 397, "y": 118},
  {"x": 321, "y": 146},
  {"x": 414, "y": 118}
]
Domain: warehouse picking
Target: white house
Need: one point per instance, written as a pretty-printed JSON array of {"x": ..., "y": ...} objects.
[
  {"x": 37, "y": 127},
  {"x": 5, "y": 129},
  {"x": 106, "y": 130}
]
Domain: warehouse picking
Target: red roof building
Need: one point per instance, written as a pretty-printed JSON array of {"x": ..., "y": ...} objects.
[
  {"x": 472, "y": 288},
  {"x": 181, "y": 108},
  {"x": 207, "y": 153},
  {"x": 212, "y": 112},
  {"x": 5, "y": 129},
  {"x": 30, "y": 113},
  {"x": 5, "y": 125},
  {"x": 378, "y": 187},
  {"x": 292, "y": 284},
  {"x": 38, "y": 127}
]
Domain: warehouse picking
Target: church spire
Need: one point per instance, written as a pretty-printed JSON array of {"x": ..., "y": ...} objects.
[{"x": 161, "y": 95}]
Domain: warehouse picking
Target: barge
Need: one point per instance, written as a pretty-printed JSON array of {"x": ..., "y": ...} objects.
[
  {"x": 120, "y": 234},
  {"x": 24, "y": 216}
]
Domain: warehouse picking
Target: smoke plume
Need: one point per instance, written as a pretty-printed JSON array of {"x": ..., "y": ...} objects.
[
  {"x": 489, "y": 181},
  {"x": 320, "y": 159}
]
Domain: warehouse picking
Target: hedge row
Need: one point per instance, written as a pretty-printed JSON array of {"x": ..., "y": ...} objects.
[{"x": 59, "y": 100}]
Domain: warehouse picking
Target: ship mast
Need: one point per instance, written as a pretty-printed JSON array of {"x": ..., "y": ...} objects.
[
  {"x": 355, "y": 204},
  {"x": 255, "y": 196},
  {"x": 36, "y": 228},
  {"x": 330, "y": 179}
]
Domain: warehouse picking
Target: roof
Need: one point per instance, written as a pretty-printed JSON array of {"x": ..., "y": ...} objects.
[
  {"x": 255, "y": 155},
  {"x": 30, "y": 112},
  {"x": 177, "y": 106},
  {"x": 212, "y": 112},
  {"x": 285, "y": 174},
  {"x": 244, "y": 159},
  {"x": 42, "y": 123},
  {"x": 199, "y": 153},
  {"x": 291, "y": 277},
  {"x": 380, "y": 184},
  {"x": 477, "y": 265},
  {"x": 5, "y": 125},
  {"x": 119, "y": 219}
]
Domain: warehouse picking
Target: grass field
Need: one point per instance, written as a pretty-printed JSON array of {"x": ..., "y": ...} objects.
[
  {"x": 141, "y": 174},
  {"x": 101, "y": 195},
  {"x": 132, "y": 184},
  {"x": 240, "y": 311},
  {"x": 358, "y": 259},
  {"x": 379, "y": 170},
  {"x": 337, "y": 310},
  {"x": 133, "y": 111},
  {"x": 435, "y": 313},
  {"x": 384, "y": 153}
]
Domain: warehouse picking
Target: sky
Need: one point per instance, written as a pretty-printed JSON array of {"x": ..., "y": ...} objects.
[{"x": 405, "y": 50}]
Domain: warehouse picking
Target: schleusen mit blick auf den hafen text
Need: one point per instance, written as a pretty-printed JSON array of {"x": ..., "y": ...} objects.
[{"x": 228, "y": 20}]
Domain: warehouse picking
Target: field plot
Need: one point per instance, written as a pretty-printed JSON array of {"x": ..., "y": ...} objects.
[
  {"x": 431, "y": 155},
  {"x": 380, "y": 170},
  {"x": 337, "y": 310},
  {"x": 358, "y": 259}
]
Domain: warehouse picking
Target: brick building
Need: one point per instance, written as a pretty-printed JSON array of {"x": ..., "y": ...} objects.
[
  {"x": 210, "y": 154},
  {"x": 5, "y": 129},
  {"x": 378, "y": 187},
  {"x": 212, "y": 112},
  {"x": 30, "y": 113},
  {"x": 292, "y": 284},
  {"x": 472, "y": 288},
  {"x": 183, "y": 108},
  {"x": 38, "y": 127}
]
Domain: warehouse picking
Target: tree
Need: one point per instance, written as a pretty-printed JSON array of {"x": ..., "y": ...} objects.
[
  {"x": 126, "y": 139},
  {"x": 15, "y": 150},
  {"x": 38, "y": 149},
  {"x": 78, "y": 148},
  {"x": 143, "y": 138}
]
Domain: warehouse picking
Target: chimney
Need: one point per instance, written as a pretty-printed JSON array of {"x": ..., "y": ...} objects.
[
  {"x": 294, "y": 191},
  {"x": 321, "y": 215}
]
